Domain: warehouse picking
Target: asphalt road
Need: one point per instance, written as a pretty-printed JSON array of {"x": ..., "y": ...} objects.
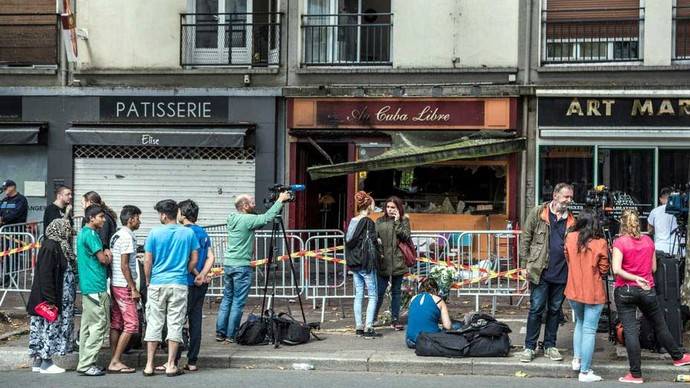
[{"x": 286, "y": 379}]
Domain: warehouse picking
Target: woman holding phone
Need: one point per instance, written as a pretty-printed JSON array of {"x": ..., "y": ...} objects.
[{"x": 634, "y": 264}]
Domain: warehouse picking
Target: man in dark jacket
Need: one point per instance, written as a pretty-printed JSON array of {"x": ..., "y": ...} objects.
[
  {"x": 543, "y": 257},
  {"x": 60, "y": 208},
  {"x": 14, "y": 207}
]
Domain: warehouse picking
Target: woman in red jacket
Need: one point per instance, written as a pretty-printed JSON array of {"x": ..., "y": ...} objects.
[{"x": 586, "y": 253}]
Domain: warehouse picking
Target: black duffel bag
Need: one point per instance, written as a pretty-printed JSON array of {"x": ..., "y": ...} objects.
[
  {"x": 254, "y": 331},
  {"x": 289, "y": 331},
  {"x": 442, "y": 344}
]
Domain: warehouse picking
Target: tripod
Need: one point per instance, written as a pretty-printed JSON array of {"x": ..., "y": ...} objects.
[
  {"x": 679, "y": 241},
  {"x": 277, "y": 229}
]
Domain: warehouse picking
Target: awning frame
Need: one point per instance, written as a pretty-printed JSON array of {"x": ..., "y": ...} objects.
[{"x": 22, "y": 132}]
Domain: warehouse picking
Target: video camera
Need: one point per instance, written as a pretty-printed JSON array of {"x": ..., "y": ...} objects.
[
  {"x": 278, "y": 188},
  {"x": 677, "y": 204}
]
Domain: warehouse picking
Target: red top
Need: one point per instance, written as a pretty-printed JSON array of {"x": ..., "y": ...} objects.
[{"x": 637, "y": 259}]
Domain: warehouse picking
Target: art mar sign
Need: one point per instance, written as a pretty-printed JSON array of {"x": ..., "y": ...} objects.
[
  {"x": 403, "y": 113},
  {"x": 164, "y": 109},
  {"x": 613, "y": 112}
]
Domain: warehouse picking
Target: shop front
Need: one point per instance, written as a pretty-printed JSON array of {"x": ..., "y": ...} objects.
[
  {"x": 23, "y": 154},
  {"x": 453, "y": 161},
  {"x": 634, "y": 145}
]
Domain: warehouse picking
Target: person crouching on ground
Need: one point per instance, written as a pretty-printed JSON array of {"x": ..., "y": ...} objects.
[
  {"x": 53, "y": 284},
  {"x": 92, "y": 263},
  {"x": 197, "y": 281},
  {"x": 392, "y": 228},
  {"x": 362, "y": 253},
  {"x": 124, "y": 318},
  {"x": 634, "y": 262},
  {"x": 171, "y": 254},
  {"x": 237, "y": 276},
  {"x": 585, "y": 250},
  {"x": 542, "y": 255},
  {"x": 426, "y": 309}
]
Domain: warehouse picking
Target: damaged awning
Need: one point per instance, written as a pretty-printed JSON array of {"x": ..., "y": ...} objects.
[
  {"x": 162, "y": 136},
  {"x": 20, "y": 133},
  {"x": 409, "y": 155}
]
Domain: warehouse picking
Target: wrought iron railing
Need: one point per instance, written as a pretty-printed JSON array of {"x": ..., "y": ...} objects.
[
  {"x": 592, "y": 35},
  {"x": 347, "y": 39},
  {"x": 228, "y": 39},
  {"x": 29, "y": 39},
  {"x": 681, "y": 28}
]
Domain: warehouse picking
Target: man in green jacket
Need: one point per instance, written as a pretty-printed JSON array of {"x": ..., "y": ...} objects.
[
  {"x": 237, "y": 268},
  {"x": 542, "y": 256}
]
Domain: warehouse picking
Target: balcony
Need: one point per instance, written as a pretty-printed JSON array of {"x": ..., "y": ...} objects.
[
  {"x": 573, "y": 36},
  {"x": 29, "y": 39},
  {"x": 681, "y": 26},
  {"x": 347, "y": 39},
  {"x": 230, "y": 39}
]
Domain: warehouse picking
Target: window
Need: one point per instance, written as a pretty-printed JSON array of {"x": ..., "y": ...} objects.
[
  {"x": 586, "y": 31},
  {"x": 347, "y": 32},
  {"x": 674, "y": 168},
  {"x": 574, "y": 165},
  {"x": 456, "y": 187}
]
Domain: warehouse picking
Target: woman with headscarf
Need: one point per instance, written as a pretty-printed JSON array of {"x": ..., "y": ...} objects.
[{"x": 54, "y": 287}]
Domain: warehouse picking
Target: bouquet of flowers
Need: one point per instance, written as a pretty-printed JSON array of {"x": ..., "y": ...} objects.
[{"x": 445, "y": 276}]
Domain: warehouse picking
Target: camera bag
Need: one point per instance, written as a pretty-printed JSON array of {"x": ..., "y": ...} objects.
[
  {"x": 289, "y": 331},
  {"x": 254, "y": 331}
]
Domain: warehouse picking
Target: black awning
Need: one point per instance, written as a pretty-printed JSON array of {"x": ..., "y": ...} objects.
[
  {"x": 20, "y": 133},
  {"x": 178, "y": 136},
  {"x": 411, "y": 156}
]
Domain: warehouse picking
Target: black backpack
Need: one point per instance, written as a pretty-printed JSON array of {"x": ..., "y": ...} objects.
[
  {"x": 289, "y": 331},
  {"x": 254, "y": 331},
  {"x": 482, "y": 336}
]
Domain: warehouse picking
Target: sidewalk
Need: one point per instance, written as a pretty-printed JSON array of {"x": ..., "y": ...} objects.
[{"x": 340, "y": 350}]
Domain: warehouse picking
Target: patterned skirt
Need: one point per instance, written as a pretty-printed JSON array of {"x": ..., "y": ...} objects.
[{"x": 50, "y": 339}]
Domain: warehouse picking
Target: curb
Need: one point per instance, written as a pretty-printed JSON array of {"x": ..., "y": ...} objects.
[{"x": 359, "y": 361}]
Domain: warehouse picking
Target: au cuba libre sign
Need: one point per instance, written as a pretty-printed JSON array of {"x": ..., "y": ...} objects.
[
  {"x": 621, "y": 112},
  {"x": 400, "y": 113}
]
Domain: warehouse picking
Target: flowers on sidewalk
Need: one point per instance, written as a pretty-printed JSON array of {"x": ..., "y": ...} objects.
[{"x": 445, "y": 277}]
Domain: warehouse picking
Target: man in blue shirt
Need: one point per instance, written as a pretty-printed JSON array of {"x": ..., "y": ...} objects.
[
  {"x": 197, "y": 280},
  {"x": 171, "y": 254}
]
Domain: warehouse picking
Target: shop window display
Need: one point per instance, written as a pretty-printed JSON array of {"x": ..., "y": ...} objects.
[
  {"x": 674, "y": 168},
  {"x": 446, "y": 188},
  {"x": 630, "y": 171},
  {"x": 574, "y": 165}
]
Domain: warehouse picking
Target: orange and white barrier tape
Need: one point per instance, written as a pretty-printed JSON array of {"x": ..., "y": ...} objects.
[{"x": 20, "y": 249}]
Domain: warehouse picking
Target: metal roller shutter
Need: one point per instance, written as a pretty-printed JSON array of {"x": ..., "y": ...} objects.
[{"x": 128, "y": 176}]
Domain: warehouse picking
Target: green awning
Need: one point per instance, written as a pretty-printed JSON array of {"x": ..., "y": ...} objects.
[{"x": 412, "y": 156}]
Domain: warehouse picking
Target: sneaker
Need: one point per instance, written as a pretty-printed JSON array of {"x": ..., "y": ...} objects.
[
  {"x": 93, "y": 371},
  {"x": 576, "y": 364},
  {"x": 588, "y": 377},
  {"x": 553, "y": 354},
  {"x": 397, "y": 326},
  {"x": 229, "y": 340},
  {"x": 371, "y": 334},
  {"x": 683, "y": 361},
  {"x": 52, "y": 369},
  {"x": 359, "y": 332},
  {"x": 527, "y": 355},
  {"x": 630, "y": 379},
  {"x": 36, "y": 364},
  {"x": 220, "y": 338}
]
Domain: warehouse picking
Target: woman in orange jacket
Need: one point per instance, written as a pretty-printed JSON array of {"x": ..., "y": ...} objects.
[{"x": 586, "y": 253}]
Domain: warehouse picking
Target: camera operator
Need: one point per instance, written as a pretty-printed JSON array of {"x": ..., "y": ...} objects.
[
  {"x": 662, "y": 225},
  {"x": 237, "y": 264}
]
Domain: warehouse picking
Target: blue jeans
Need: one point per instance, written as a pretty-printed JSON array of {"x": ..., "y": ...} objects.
[
  {"x": 585, "y": 335},
  {"x": 396, "y": 284},
  {"x": 237, "y": 280},
  {"x": 541, "y": 295},
  {"x": 360, "y": 278}
]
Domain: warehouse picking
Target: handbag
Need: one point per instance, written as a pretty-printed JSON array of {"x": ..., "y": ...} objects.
[
  {"x": 409, "y": 252},
  {"x": 370, "y": 253},
  {"x": 47, "y": 311}
]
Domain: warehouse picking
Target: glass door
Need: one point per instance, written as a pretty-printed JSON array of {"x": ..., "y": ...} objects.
[
  {"x": 631, "y": 172},
  {"x": 224, "y": 31}
]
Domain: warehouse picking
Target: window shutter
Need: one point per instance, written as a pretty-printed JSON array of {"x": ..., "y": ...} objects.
[
  {"x": 682, "y": 16},
  {"x": 29, "y": 36},
  {"x": 591, "y": 19}
]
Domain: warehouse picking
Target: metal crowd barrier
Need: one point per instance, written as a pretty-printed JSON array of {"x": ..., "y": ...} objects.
[
  {"x": 35, "y": 228},
  {"x": 17, "y": 254},
  {"x": 325, "y": 272}
]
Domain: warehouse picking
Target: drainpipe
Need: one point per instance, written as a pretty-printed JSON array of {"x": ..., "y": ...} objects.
[{"x": 525, "y": 106}]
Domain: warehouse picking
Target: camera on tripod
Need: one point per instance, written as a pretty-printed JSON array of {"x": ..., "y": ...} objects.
[
  {"x": 601, "y": 201},
  {"x": 677, "y": 204},
  {"x": 275, "y": 190}
]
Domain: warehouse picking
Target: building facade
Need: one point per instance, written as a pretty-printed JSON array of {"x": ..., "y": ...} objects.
[{"x": 470, "y": 113}]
